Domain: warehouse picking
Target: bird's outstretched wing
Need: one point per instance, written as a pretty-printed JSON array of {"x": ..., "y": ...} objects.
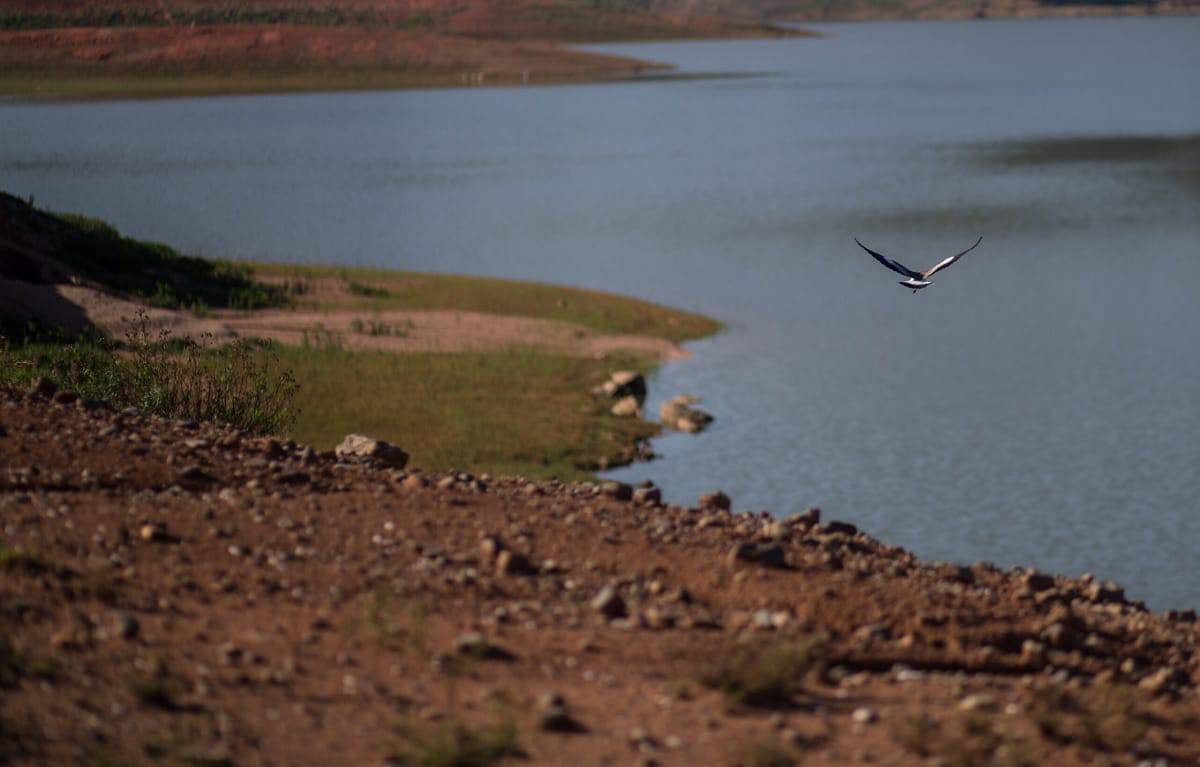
[
  {"x": 943, "y": 264},
  {"x": 895, "y": 266}
]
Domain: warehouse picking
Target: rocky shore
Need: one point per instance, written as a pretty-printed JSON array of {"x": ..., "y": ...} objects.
[{"x": 178, "y": 592}]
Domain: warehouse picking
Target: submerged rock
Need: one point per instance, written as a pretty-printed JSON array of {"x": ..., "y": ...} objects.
[{"x": 677, "y": 413}]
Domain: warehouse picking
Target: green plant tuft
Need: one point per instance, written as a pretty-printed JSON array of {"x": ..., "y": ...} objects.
[
  {"x": 459, "y": 745},
  {"x": 238, "y": 384},
  {"x": 761, "y": 677}
]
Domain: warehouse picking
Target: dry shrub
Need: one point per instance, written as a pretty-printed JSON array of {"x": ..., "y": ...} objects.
[{"x": 764, "y": 677}]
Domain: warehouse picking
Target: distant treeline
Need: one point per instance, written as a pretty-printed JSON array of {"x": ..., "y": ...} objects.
[
  {"x": 1098, "y": 2},
  {"x": 100, "y": 17}
]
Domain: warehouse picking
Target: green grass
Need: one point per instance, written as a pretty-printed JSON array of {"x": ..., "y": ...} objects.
[
  {"x": 1108, "y": 718},
  {"x": 73, "y": 83},
  {"x": 459, "y": 745},
  {"x": 240, "y": 383},
  {"x": 19, "y": 561},
  {"x": 517, "y": 412},
  {"x": 966, "y": 742},
  {"x": 768, "y": 752},
  {"x": 763, "y": 677},
  {"x": 380, "y": 289}
]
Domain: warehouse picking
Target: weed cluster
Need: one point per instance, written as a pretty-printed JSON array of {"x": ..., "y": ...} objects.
[
  {"x": 321, "y": 338},
  {"x": 366, "y": 290},
  {"x": 1104, "y": 718},
  {"x": 379, "y": 328},
  {"x": 458, "y": 745},
  {"x": 237, "y": 384},
  {"x": 759, "y": 677},
  {"x": 972, "y": 741}
]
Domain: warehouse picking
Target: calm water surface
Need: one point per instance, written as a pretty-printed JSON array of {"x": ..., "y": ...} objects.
[{"x": 1039, "y": 405}]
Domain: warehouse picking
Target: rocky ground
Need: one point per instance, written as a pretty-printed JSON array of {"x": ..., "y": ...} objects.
[{"x": 180, "y": 593}]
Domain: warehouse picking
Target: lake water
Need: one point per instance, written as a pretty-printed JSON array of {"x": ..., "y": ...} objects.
[{"x": 1039, "y": 405}]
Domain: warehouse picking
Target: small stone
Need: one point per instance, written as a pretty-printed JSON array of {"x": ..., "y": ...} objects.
[
  {"x": 1106, "y": 592},
  {"x": 978, "y": 702},
  {"x": 489, "y": 548},
  {"x": 766, "y": 554},
  {"x": 1036, "y": 581},
  {"x": 64, "y": 397},
  {"x": 807, "y": 518},
  {"x": 229, "y": 654},
  {"x": 553, "y": 715},
  {"x": 474, "y": 645},
  {"x": 834, "y": 527},
  {"x": 43, "y": 387},
  {"x": 294, "y": 478},
  {"x": 1033, "y": 652},
  {"x": 618, "y": 491},
  {"x": 194, "y": 475},
  {"x": 153, "y": 532},
  {"x": 1164, "y": 680},
  {"x": 647, "y": 496},
  {"x": 678, "y": 413},
  {"x": 863, "y": 716},
  {"x": 626, "y": 407},
  {"x": 715, "y": 500},
  {"x": 608, "y": 603},
  {"x": 512, "y": 563},
  {"x": 125, "y": 625},
  {"x": 626, "y": 383}
]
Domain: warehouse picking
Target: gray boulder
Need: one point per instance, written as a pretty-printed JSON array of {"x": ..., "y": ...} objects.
[{"x": 361, "y": 446}]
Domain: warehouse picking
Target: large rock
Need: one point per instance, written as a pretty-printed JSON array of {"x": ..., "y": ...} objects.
[
  {"x": 626, "y": 407},
  {"x": 677, "y": 413},
  {"x": 360, "y": 446},
  {"x": 626, "y": 383}
]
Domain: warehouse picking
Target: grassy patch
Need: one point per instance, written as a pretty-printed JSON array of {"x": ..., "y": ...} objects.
[
  {"x": 764, "y": 677},
  {"x": 511, "y": 412},
  {"x": 458, "y": 745},
  {"x": 240, "y": 383},
  {"x": 1104, "y": 718},
  {"x": 19, "y": 561},
  {"x": 397, "y": 625},
  {"x": 965, "y": 743},
  {"x": 382, "y": 289},
  {"x": 368, "y": 291},
  {"x": 769, "y": 753},
  {"x": 153, "y": 691}
]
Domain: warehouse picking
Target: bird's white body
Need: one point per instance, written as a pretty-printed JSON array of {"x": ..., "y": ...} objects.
[{"x": 915, "y": 284}]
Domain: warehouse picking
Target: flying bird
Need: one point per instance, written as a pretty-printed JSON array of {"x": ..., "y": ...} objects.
[{"x": 916, "y": 280}]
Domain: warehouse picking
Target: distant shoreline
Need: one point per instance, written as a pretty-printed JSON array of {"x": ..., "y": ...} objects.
[
  {"x": 144, "y": 60},
  {"x": 93, "y": 63}
]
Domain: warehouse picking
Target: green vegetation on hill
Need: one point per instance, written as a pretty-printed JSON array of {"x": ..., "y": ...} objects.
[
  {"x": 98, "y": 253},
  {"x": 200, "y": 16},
  {"x": 240, "y": 383}
]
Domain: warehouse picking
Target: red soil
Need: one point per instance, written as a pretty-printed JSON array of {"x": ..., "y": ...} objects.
[{"x": 182, "y": 592}]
